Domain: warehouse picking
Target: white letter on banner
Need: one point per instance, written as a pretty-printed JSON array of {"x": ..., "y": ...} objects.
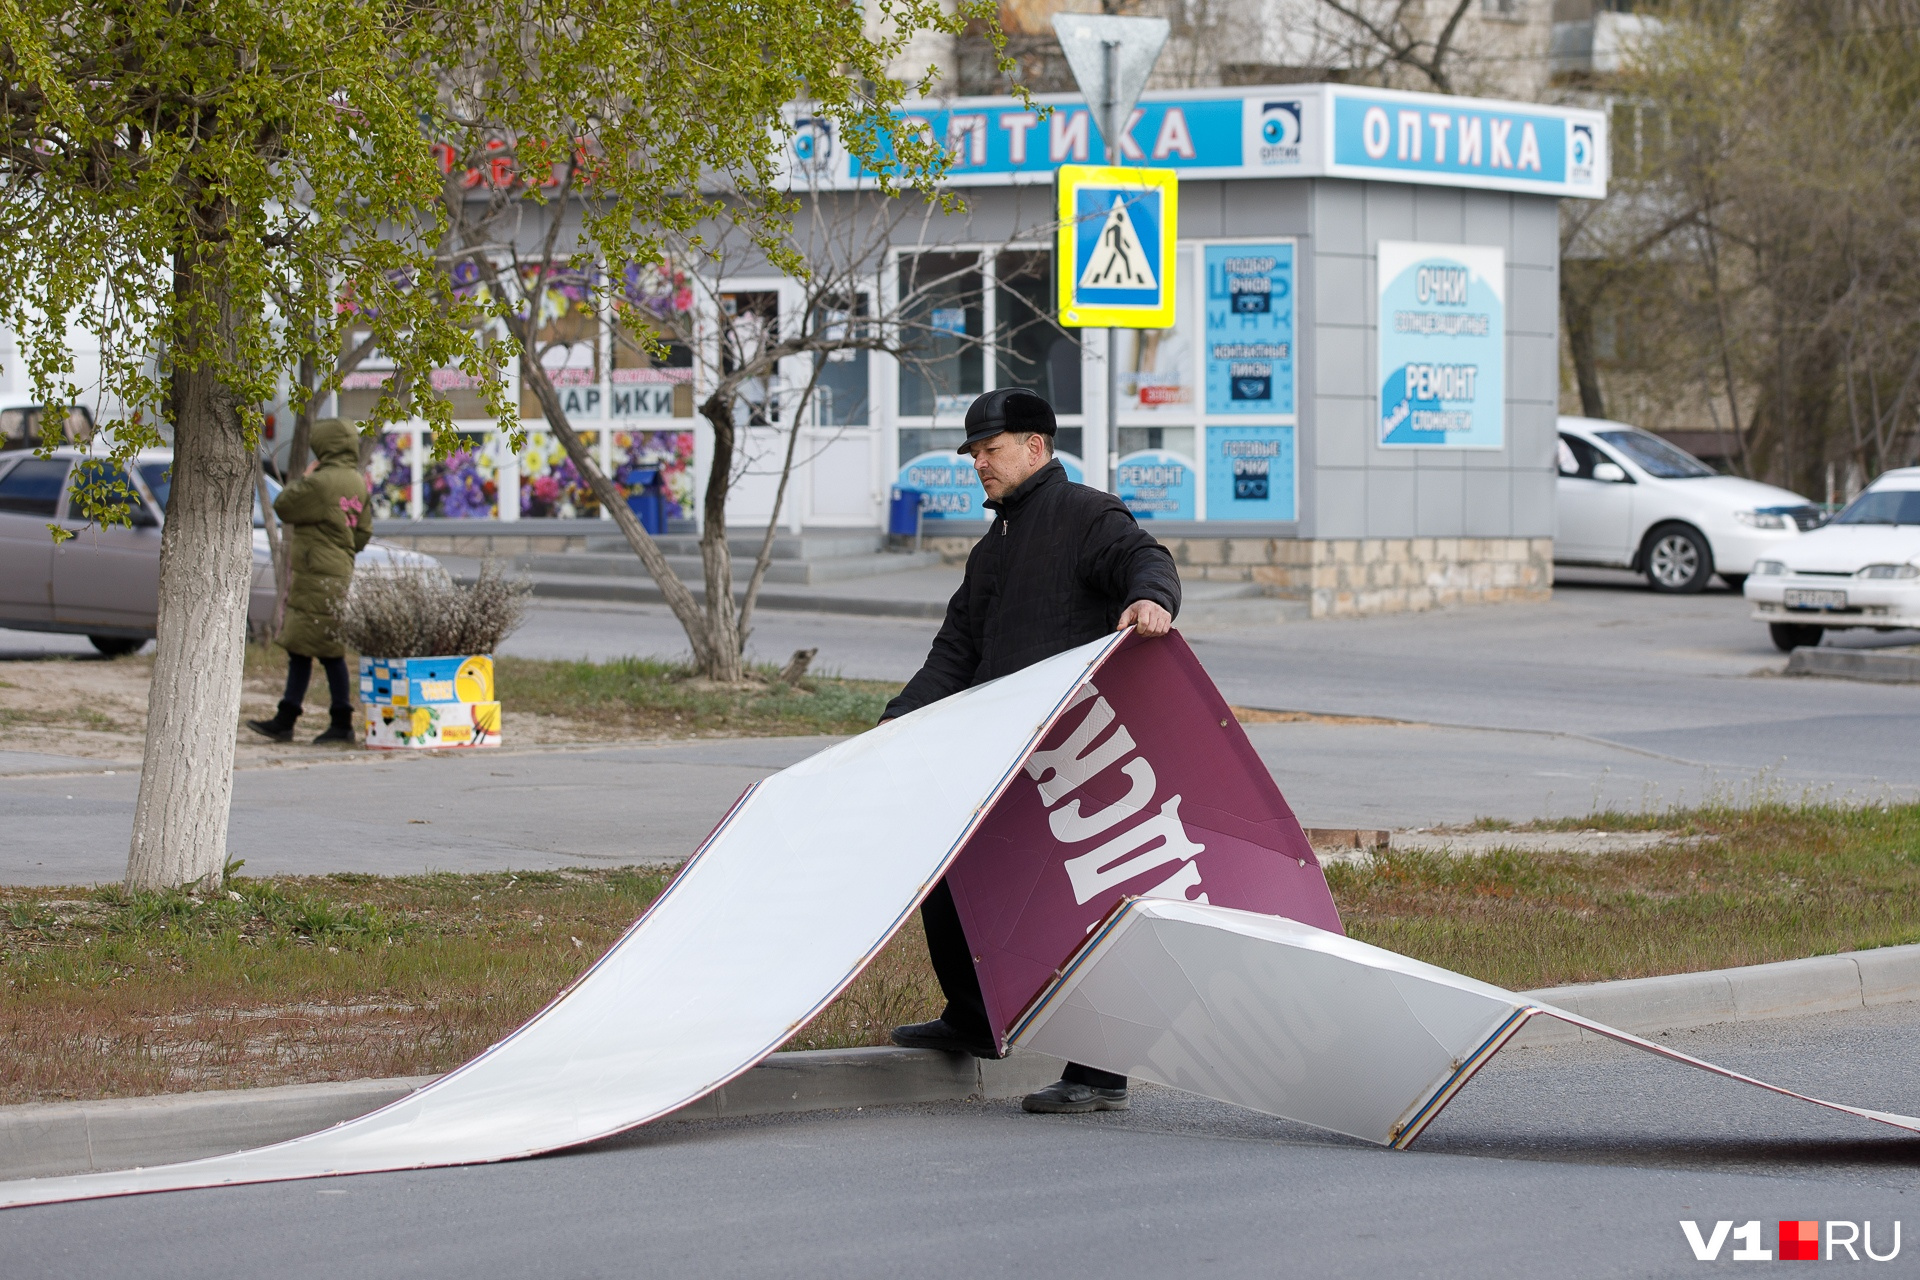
[
  {"x": 1441, "y": 122},
  {"x": 1176, "y": 885},
  {"x": 967, "y": 133},
  {"x": 1092, "y": 874},
  {"x": 1706, "y": 1250},
  {"x": 1375, "y": 132},
  {"x": 1409, "y": 135},
  {"x": 1016, "y": 123},
  {"x": 1529, "y": 148},
  {"x": 1067, "y": 135},
  {"x": 1069, "y": 767},
  {"x": 1896, "y": 1243},
  {"x": 1070, "y": 828},
  {"x": 1469, "y": 136},
  {"x": 1502, "y": 158},
  {"x": 1174, "y": 140},
  {"x": 1128, "y": 147},
  {"x": 1853, "y": 1238}
]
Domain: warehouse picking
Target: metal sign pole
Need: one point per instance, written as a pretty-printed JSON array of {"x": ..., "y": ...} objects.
[{"x": 1110, "y": 131}]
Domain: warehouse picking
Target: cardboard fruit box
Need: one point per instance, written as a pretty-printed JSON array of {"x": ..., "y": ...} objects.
[{"x": 421, "y": 703}]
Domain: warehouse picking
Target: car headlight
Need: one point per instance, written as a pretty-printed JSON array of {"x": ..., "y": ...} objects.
[
  {"x": 1764, "y": 519},
  {"x": 1889, "y": 571},
  {"x": 1768, "y": 568}
]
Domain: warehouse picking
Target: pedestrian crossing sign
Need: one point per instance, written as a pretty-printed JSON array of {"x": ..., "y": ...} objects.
[{"x": 1114, "y": 260}]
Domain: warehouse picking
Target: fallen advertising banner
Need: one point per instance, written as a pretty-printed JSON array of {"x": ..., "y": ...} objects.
[{"x": 1138, "y": 895}]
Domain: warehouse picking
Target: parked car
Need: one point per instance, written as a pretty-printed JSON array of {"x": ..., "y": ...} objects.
[
  {"x": 1627, "y": 499},
  {"x": 104, "y": 583},
  {"x": 20, "y": 424},
  {"x": 1860, "y": 569}
]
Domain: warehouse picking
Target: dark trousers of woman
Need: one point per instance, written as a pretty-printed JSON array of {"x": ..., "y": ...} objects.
[
  {"x": 300, "y": 674},
  {"x": 966, "y": 1010}
]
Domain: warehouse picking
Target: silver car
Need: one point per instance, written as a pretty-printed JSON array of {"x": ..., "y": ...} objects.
[{"x": 104, "y": 583}]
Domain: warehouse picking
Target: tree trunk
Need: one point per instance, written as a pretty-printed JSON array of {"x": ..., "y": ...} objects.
[
  {"x": 1578, "y": 311},
  {"x": 206, "y": 568},
  {"x": 716, "y": 558},
  {"x": 679, "y": 599}
]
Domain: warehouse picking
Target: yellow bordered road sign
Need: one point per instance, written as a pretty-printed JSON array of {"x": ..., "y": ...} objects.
[{"x": 1115, "y": 258}]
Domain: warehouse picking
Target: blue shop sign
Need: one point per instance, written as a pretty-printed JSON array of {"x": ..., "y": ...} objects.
[
  {"x": 1157, "y": 485},
  {"x": 1249, "y": 339},
  {"x": 1250, "y": 473},
  {"x": 1443, "y": 338},
  {"x": 953, "y": 487}
]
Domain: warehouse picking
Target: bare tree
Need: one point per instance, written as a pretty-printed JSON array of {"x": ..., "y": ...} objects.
[{"x": 758, "y": 367}]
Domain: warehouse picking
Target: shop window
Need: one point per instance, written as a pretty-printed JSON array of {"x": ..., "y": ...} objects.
[
  {"x": 942, "y": 319},
  {"x": 1029, "y": 350},
  {"x": 840, "y": 393},
  {"x": 749, "y": 327},
  {"x": 566, "y": 344},
  {"x": 653, "y": 302},
  {"x": 1172, "y": 439}
]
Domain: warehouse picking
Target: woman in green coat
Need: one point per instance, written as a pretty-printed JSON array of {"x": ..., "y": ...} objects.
[{"x": 330, "y": 521}]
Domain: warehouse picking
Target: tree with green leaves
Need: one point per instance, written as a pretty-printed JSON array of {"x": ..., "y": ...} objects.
[{"x": 219, "y": 188}]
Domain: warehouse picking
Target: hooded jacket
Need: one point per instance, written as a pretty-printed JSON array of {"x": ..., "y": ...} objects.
[
  {"x": 1058, "y": 566},
  {"x": 331, "y": 521}
]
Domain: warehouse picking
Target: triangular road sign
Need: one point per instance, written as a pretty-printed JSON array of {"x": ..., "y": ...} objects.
[
  {"x": 1118, "y": 261},
  {"x": 1137, "y": 43}
]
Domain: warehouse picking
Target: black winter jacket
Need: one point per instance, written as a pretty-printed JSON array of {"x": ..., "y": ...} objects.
[{"x": 1059, "y": 565}]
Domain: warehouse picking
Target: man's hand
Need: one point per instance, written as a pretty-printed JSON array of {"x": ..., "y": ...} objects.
[{"x": 1147, "y": 618}]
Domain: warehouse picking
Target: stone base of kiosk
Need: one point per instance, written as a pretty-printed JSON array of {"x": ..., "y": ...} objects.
[{"x": 1351, "y": 577}]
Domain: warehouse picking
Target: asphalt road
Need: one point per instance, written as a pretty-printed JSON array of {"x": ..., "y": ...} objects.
[
  {"x": 1606, "y": 697},
  {"x": 1575, "y": 1162}
]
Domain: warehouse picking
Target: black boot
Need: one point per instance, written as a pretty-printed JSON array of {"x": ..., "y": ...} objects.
[
  {"x": 280, "y": 728},
  {"x": 339, "y": 727}
]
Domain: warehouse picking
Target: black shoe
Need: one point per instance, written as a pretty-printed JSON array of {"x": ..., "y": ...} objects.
[
  {"x": 938, "y": 1035},
  {"x": 339, "y": 727},
  {"x": 280, "y": 728},
  {"x": 1065, "y": 1098}
]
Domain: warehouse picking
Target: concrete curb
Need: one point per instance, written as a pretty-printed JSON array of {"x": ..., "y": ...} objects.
[
  {"x": 1883, "y": 666},
  {"x": 44, "y": 1140},
  {"x": 1785, "y": 989},
  {"x": 47, "y": 1139}
]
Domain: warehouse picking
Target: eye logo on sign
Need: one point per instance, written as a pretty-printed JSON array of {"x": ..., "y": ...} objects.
[
  {"x": 1581, "y": 154},
  {"x": 1280, "y": 132},
  {"x": 1116, "y": 246},
  {"x": 812, "y": 142}
]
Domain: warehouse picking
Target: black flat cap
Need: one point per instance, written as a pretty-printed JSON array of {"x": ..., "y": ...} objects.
[{"x": 1008, "y": 409}]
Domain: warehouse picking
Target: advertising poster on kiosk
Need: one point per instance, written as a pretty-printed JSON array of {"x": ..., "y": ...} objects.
[
  {"x": 1157, "y": 485},
  {"x": 1249, "y": 340},
  {"x": 1443, "y": 334},
  {"x": 953, "y": 487},
  {"x": 1250, "y": 473}
]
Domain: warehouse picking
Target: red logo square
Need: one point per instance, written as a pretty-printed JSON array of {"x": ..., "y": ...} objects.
[{"x": 1800, "y": 1242}]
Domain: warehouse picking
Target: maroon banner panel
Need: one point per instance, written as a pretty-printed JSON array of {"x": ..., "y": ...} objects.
[{"x": 1147, "y": 786}]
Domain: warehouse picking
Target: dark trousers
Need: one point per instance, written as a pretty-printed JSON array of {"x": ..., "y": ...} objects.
[
  {"x": 966, "y": 1010},
  {"x": 300, "y": 674}
]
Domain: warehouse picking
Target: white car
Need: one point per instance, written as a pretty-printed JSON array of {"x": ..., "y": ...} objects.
[
  {"x": 1860, "y": 569},
  {"x": 104, "y": 583},
  {"x": 1629, "y": 500}
]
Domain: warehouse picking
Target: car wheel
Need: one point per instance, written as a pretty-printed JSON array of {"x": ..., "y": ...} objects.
[
  {"x": 115, "y": 646},
  {"x": 1788, "y": 636},
  {"x": 1678, "y": 560},
  {"x": 1734, "y": 581}
]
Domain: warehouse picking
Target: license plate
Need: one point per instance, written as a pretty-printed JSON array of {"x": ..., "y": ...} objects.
[{"x": 1797, "y": 598}]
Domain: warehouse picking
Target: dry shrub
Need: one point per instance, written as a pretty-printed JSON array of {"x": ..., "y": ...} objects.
[{"x": 421, "y": 613}]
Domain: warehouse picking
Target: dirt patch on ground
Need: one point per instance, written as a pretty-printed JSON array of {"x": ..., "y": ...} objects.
[{"x": 96, "y": 708}]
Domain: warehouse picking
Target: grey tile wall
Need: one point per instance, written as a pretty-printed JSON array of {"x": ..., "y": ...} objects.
[{"x": 1362, "y": 490}]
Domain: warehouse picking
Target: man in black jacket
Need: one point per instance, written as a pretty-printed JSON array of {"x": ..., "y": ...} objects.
[{"x": 1060, "y": 565}]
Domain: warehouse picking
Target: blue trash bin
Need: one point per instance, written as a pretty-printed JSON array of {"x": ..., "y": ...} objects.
[
  {"x": 649, "y": 506},
  {"x": 903, "y": 512}
]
